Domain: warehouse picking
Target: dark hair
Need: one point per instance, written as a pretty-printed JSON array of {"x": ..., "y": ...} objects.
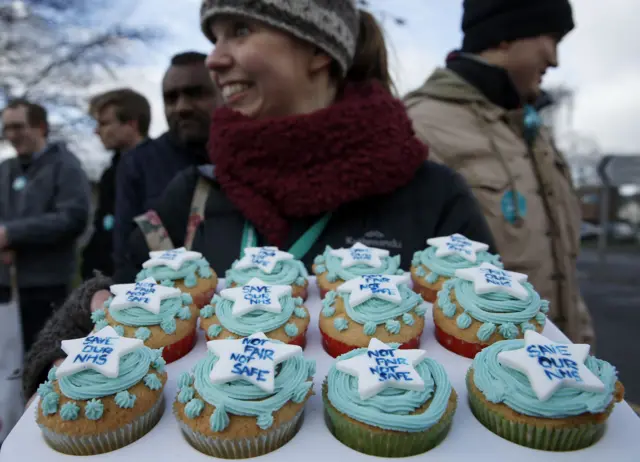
[
  {"x": 371, "y": 60},
  {"x": 36, "y": 114},
  {"x": 188, "y": 58},
  {"x": 129, "y": 105}
]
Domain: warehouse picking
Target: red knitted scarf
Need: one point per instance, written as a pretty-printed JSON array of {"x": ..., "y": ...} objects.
[{"x": 277, "y": 169}]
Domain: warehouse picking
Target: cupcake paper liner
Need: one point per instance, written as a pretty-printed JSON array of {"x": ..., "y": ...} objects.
[
  {"x": 181, "y": 348},
  {"x": 245, "y": 447},
  {"x": 396, "y": 444},
  {"x": 336, "y": 348},
  {"x": 458, "y": 346},
  {"x": 300, "y": 340},
  {"x": 104, "y": 442},
  {"x": 428, "y": 295},
  {"x": 534, "y": 436}
]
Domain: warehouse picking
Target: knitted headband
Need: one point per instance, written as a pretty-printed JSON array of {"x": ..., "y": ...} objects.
[{"x": 332, "y": 25}]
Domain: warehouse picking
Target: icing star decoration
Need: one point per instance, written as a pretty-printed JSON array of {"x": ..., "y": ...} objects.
[
  {"x": 382, "y": 286},
  {"x": 360, "y": 254},
  {"x": 173, "y": 259},
  {"x": 101, "y": 352},
  {"x": 457, "y": 244},
  {"x": 488, "y": 278},
  {"x": 146, "y": 294},
  {"x": 263, "y": 258},
  {"x": 255, "y": 295},
  {"x": 252, "y": 359},
  {"x": 382, "y": 366},
  {"x": 550, "y": 366}
]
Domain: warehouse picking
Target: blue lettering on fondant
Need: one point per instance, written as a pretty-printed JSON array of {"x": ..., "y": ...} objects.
[{"x": 257, "y": 295}]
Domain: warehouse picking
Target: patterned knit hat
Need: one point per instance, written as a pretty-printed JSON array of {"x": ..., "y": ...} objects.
[{"x": 330, "y": 24}]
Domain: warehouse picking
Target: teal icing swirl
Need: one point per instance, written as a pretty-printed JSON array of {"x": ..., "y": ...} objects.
[
  {"x": 152, "y": 382},
  {"x": 420, "y": 272},
  {"x": 207, "y": 312},
  {"x": 311, "y": 368},
  {"x": 319, "y": 269},
  {"x": 205, "y": 272},
  {"x": 335, "y": 271},
  {"x": 285, "y": 273},
  {"x": 107, "y": 302},
  {"x": 244, "y": 398},
  {"x": 370, "y": 328},
  {"x": 301, "y": 392},
  {"x": 45, "y": 388},
  {"x": 291, "y": 329},
  {"x": 159, "y": 364},
  {"x": 544, "y": 306},
  {"x": 69, "y": 411},
  {"x": 421, "y": 310},
  {"x": 255, "y": 321},
  {"x": 299, "y": 301},
  {"x": 300, "y": 313},
  {"x": 393, "y": 327},
  {"x": 168, "y": 283},
  {"x": 447, "y": 266},
  {"x": 328, "y": 311},
  {"x": 139, "y": 317},
  {"x": 51, "y": 376},
  {"x": 381, "y": 311},
  {"x": 541, "y": 319},
  {"x": 265, "y": 421},
  {"x": 408, "y": 319},
  {"x": 125, "y": 400},
  {"x": 340, "y": 324},
  {"x": 219, "y": 419},
  {"x": 50, "y": 403},
  {"x": 94, "y": 409},
  {"x": 186, "y": 395},
  {"x": 514, "y": 389},
  {"x": 97, "y": 315},
  {"x": 191, "y": 281},
  {"x": 392, "y": 408},
  {"x": 525, "y": 326},
  {"x": 318, "y": 260},
  {"x": 169, "y": 325},
  {"x": 464, "y": 321},
  {"x": 184, "y": 313},
  {"x": 143, "y": 333},
  {"x": 119, "y": 330},
  {"x": 194, "y": 408},
  {"x": 501, "y": 311},
  {"x": 432, "y": 278},
  {"x": 187, "y": 299},
  {"x": 88, "y": 384},
  {"x": 164, "y": 273},
  {"x": 101, "y": 325},
  {"x": 486, "y": 331},
  {"x": 214, "y": 330},
  {"x": 185, "y": 380}
]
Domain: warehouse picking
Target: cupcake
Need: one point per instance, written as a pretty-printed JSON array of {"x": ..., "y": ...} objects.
[
  {"x": 160, "y": 316},
  {"x": 105, "y": 395},
  {"x": 256, "y": 307},
  {"x": 271, "y": 266},
  {"x": 438, "y": 263},
  {"x": 387, "y": 402},
  {"x": 245, "y": 399},
  {"x": 541, "y": 394},
  {"x": 184, "y": 270},
  {"x": 371, "y": 306},
  {"x": 337, "y": 266},
  {"x": 484, "y": 305}
]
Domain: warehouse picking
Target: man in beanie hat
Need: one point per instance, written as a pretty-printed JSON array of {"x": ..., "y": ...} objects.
[{"x": 478, "y": 115}]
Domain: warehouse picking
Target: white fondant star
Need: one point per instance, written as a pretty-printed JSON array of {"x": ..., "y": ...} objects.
[
  {"x": 550, "y": 365},
  {"x": 146, "y": 294},
  {"x": 382, "y": 286},
  {"x": 360, "y": 254},
  {"x": 173, "y": 259},
  {"x": 488, "y": 278},
  {"x": 457, "y": 244},
  {"x": 255, "y": 295},
  {"x": 252, "y": 359},
  {"x": 382, "y": 367},
  {"x": 263, "y": 258},
  {"x": 100, "y": 351}
]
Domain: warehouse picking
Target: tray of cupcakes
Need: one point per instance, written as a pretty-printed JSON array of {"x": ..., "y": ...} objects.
[{"x": 354, "y": 362}]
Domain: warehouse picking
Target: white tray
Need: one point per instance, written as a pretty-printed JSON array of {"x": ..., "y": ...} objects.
[{"x": 468, "y": 440}]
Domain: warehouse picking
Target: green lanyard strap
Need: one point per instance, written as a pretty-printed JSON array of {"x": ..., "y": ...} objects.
[{"x": 299, "y": 248}]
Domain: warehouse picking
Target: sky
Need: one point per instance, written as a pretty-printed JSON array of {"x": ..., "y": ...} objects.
[{"x": 599, "y": 61}]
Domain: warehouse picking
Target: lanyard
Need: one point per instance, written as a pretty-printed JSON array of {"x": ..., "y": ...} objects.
[{"x": 299, "y": 248}]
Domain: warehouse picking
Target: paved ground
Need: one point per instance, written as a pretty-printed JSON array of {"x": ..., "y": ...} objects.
[{"x": 612, "y": 293}]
